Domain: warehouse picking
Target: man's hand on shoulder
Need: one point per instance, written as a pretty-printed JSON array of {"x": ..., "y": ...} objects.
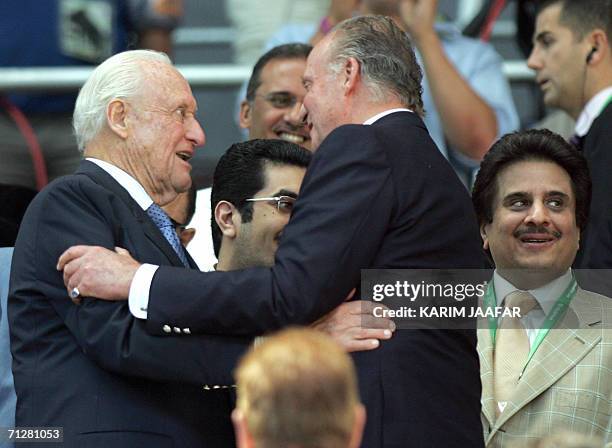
[
  {"x": 93, "y": 271},
  {"x": 354, "y": 327}
]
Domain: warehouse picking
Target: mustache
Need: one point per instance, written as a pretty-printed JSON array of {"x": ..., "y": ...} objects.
[{"x": 536, "y": 229}]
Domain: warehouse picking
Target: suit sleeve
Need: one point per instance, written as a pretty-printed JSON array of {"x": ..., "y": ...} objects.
[
  {"x": 78, "y": 213},
  {"x": 336, "y": 228}
]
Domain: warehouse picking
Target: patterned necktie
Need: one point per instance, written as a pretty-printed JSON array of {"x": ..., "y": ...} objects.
[
  {"x": 511, "y": 348},
  {"x": 163, "y": 223}
]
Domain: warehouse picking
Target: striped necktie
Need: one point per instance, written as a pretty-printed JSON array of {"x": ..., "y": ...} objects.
[{"x": 163, "y": 223}]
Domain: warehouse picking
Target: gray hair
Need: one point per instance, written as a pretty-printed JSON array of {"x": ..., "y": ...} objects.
[
  {"x": 385, "y": 55},
  {"x": 120, "y": 76}
]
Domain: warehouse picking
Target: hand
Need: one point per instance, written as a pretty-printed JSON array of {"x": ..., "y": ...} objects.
[
  {"x": 98, "y": 272},
  {"x": 419, "y": 17},
  {"x": 354, "y": 327}
]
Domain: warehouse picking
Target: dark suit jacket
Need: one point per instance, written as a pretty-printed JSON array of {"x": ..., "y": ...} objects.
[
  {"x": 93, "y": 369},
  {"x": 596, "y": 242},
  {"x": 379, "y": 196}
]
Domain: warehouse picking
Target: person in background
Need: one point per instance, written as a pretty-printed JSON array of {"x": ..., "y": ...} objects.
[
  {"x": 297, "y": 388},
  {"x": 572, "y": 58}
]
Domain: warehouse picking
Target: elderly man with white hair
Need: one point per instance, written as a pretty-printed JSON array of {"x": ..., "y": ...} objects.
[{"x": 93, "y": 370}]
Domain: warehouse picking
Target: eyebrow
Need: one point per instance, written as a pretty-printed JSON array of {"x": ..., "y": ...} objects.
[
  {"x": 523, "y": 194},
  {"x": 284, "y": 192},
  {"x": 541, "y": 36}
]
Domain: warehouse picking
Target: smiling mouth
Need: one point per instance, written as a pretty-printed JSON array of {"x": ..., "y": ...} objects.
[
  {"x": 185, "y": 156},
  {"x": 292, "y": 138}
]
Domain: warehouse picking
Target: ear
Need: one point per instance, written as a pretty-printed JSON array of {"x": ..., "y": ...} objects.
[
  {"x": 358, "y": 425},
  {"x": 186, "y": 236},
  {"x": 352, "y": 74},
  {"x": 243, "y": 437},
  {"x": 483, "y": 235},
  {"x": 228, "y": 219},
  {"x": 600, "y": 45},
  {"x": 245, "y": 115},
  {"x": 116, "y": 117}
]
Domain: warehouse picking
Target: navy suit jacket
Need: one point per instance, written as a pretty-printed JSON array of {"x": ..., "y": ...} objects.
[
  {"x": 379, "y": 196},
  {"x": 93, "y": 369}
]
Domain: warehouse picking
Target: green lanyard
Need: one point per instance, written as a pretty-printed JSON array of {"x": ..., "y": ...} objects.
[
  {"x": 490, "y": 302},
  {"x": 608, "y": 101}
]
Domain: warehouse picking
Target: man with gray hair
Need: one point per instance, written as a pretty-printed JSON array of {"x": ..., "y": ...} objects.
[
  {"x": 93, "y": 370},
  {"x": 371, "y": 199}
]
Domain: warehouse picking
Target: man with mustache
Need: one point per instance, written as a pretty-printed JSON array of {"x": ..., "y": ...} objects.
[
  {"x": 572, "y": 57},
  {"x": 371, "y": 198},
  {"x": 549, "y": 369}
]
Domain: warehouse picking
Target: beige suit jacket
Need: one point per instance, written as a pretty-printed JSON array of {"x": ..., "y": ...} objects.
[{"x": 566, "y": 385}]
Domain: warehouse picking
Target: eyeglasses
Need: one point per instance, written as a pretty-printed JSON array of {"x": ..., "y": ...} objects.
[
  {"x": 280, "y": 100},
  {"x": 284, "y": 204}
]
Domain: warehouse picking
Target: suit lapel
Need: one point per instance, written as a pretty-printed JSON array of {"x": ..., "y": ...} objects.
[
  {"x": 150, "y": 229},
  {"x": 559, "y": 352}
]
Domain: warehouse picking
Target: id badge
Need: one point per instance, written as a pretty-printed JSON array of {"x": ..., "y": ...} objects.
[{"x": 85, "y": 29}]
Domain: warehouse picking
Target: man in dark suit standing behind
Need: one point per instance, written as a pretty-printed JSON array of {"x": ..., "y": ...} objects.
[
  {"x": 94, "y": 370},
  {"x": 378, "y": 194},
  {"x": 572, "y": 57}
]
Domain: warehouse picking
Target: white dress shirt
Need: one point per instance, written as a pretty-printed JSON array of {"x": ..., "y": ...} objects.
[
  {"x": 378, "y": 116},
  {"x": 591, "y": 111},
  {"x": 546, "y": 296}
]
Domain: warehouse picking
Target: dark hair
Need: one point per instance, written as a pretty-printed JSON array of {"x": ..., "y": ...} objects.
[
  {"x": 582, "y": 16},
  {"x": 239, "y": 175},
  {"x": 385, "y": 55},
  {"x": 531, "y": 145},
  {"x": 286, "y": 51}
]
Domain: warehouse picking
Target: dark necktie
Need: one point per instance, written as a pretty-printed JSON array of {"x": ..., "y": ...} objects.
[{"x": 163, "y": 223}]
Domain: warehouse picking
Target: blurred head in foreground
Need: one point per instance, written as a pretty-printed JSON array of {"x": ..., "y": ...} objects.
[{"x": 297, "y": 389}]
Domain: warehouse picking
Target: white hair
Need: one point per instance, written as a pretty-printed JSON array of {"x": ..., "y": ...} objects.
[{"x": 120, "y": 76}]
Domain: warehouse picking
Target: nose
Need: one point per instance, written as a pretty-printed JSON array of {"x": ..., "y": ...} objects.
[
  {"x": 195, "y": 133},
  {"x": 533, "y": 61},
  {"x": 538, "y": 214},
  {"x": 302, "y": 113},
  {"x": 294, "y": 114}
]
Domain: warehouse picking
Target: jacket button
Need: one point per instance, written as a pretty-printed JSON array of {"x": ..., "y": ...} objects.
[{"x": 166, "y": 328}]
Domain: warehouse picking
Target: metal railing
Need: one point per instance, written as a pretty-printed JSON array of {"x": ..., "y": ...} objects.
[{"x": 221, "y": 75}]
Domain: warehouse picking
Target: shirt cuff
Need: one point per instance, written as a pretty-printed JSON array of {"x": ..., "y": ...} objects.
[{"x": 138, "y": 298}]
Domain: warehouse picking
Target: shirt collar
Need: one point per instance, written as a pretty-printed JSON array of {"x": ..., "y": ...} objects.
[
  {"x": 134, "y": 189},
  {"x": 546, "y": 295},
  {"x": 377, "y": 117},
  {"x": 591, "y": 111}
]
